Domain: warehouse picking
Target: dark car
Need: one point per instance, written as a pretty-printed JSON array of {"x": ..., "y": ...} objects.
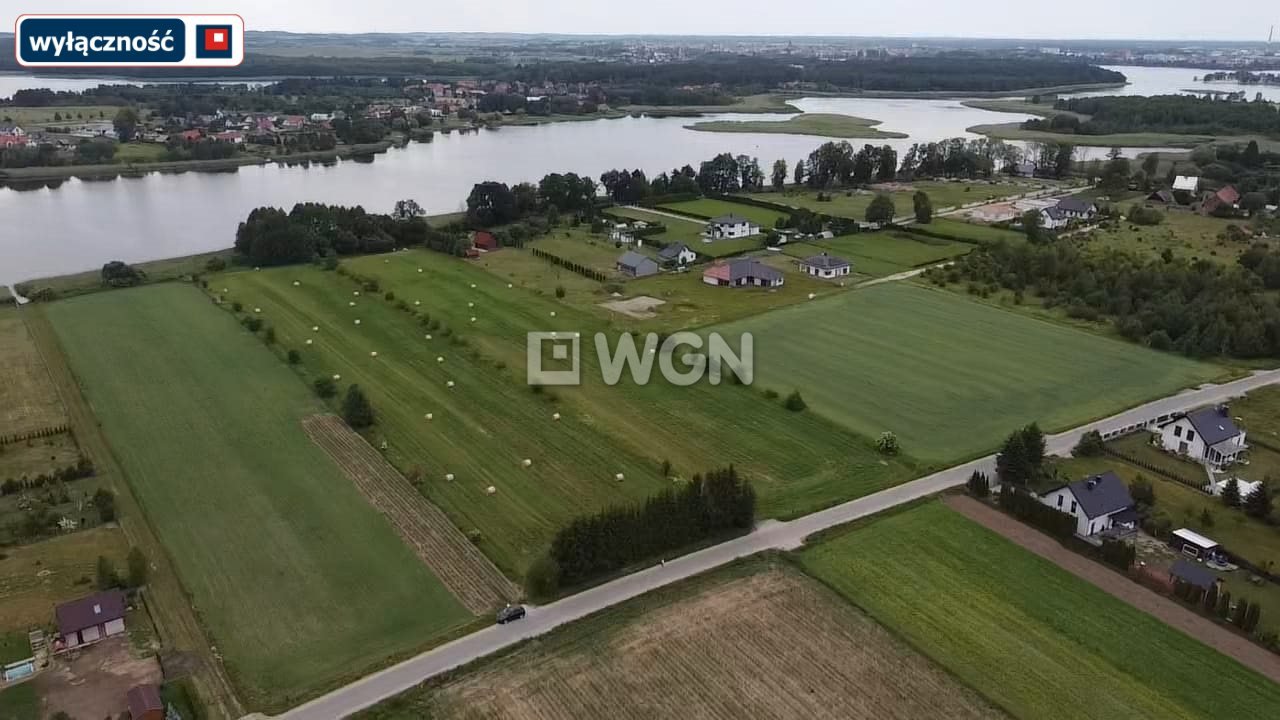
[{"x": 510, "y": 613}]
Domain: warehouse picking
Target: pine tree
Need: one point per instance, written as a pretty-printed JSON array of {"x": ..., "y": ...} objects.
[
  {"x": 356, "y": 409},
  {"x": 1258, "y": 502},
  {"x": 978, "y": 485},
  {"x": 1231, "y": 493}
]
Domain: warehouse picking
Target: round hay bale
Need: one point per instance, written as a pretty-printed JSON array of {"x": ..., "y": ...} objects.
[
  {"x": 385, "y": 262},
  {"x": 419, "y": 269},
  {"x": 308, "y": 341},
  {"x": 427, "y": 336},
  {"x": 373, "y": 353},
  {"x": 448, "y": 476},
  {"x": 439, "y": 358},
  {"x": 417, "y": 302},
  {"x": 526, "y": 462},
  {"x": 473, "y": 286},
  {"x": 257, "y": 310},
  {"x": 315, "y": 328},
  {"x": 351, "y": 303},
  {"x": 509, "y": 286},
  {"x": 449, "y": 384},
  {"x": 473, "y": 318},
  {"x": 357, "y": 321},
  {"x": 490, "y": 490},
  {"x": 337, "y": 377},
  {"x": 553, "y": 313},
  {"x": 225, "y": 290},
  {"x": 555, "y": 416},
  {"x": 471, "y": 304},
  {"x": 429, "y": 416},
  {"x": 356, "y": 293},
  {"x": 296, "y": 283},
  {"x": 255, "y": 267},
  {"x": 553, "y": 333},
  {"x": 812, "y": 296},
  {"x": 619, "y": 477}
]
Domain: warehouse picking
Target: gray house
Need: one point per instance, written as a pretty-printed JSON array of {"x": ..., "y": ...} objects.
[
  {"x": 636, "y": 265},
  {"x": 676, "y": 254}
]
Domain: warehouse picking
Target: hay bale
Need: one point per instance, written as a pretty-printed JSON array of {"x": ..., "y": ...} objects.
[
  {"x": 351, "y": 303},
  {"x": 490, "y": 490},
  {"x": 296, "y": 283},
  {"x": 439, "y": 358},
  {"x": 526, "y": 462},
  {"x": 337, "y": 377},
  {"x": 373, "y": 353},
  {"x": 315, "y": 328},
  {"x": 473, "y": 318},
  {"x": 225, "y": 290},
  {"x": 619, "y": 477},
  {"x": 419, "y": 269},
  {"x": 417, "y": 302},
  {"x": 257, "y": 310},
  {"x": 471, "y": 304},
  {"x": 356, "y": 293},
  {"x": 473, "y": 286},
  {"x": 812, "y": 296},
  {"x": 553, "y": 313},
  {"x": 555, "y": 416},
  {"x": 509, "y": 286},
  {"x": 357, "y": 321},
  {"x": 427, "y": 336},
  {"x": 429, "y": 416},
  {"x": 448, "y": 476},
  {"x": 449, "y": 384},
  {"x": 308, "y": 341}
]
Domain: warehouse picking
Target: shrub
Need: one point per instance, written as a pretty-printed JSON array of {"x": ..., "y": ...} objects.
[
  {"x": 978, "y": 484},
  {"x": 794, "y": 402},
  {"x": 1090, "y": 445},
  {"x": 887, "y": 443},
  {"x": 215, "y": 264},
  {"x": 294, "y": 357},
  {"x": 356, "y": 409},
  {"x": 270, "y": 336},
  {"x": 107, "y": 577},
  {"x": 560, "y": 291},
  {"x": 325, "y": 387},
  {"x": 542, "y": 580},
  {"x": 105, "y": 501},
  {"x": 237, "y": 306},
  {"x": 138, "y": 568}
]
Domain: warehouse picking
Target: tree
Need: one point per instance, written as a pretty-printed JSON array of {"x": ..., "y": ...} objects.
[
  {"x": 125, "y": 123},
  {"x": 978, "y": 485},
  {"x": 293, "y": 357},
  {"x": 1063, "y": 160},
  {"x": 1115, "y": 174},
  {"x": 1090, "y": 445},
  {"x": 887, "y": 443},
  {"x": 542, "y": 579},
  {"x": 923, "y": 207},
  {"x": 881, "y": 209},
  {"x": 138, "y": 568},
  {"x": 1021, "y": 458},
  {"x": 1251, "y": 157},
  {"x": 107, "y": 577},
  {"x": 1033, "y": 226},
  {"x": 407, "y": 210},
  {"x": 105, "y": 502},
  {"x": 1143, "y": 492},
  {"x": 779, "y": 178},
  {"x": 356, "y": 409},
  {"x": 1231, "y": 493},
  {"x": 1151, "y": 164},
  {"x": 1258, "y": 502},
  {"x": 491, "y": 203},
  {"x": 1253, "y": 202},
  {"x": 800, "y": 173},
  {"x": 325, "y": 387},
  {"x": 794, "y": 402},
  {"x": 119, "y": 274}
]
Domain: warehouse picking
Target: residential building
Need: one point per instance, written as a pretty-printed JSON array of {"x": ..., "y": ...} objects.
[
  {"x": 231, "y": 136},
  {"x": 1206, "y": 435},
  {"x": 825, "y": 266},
  {"x": 1227, "y": 198},
  {"x": 1164, "y": 197},
  {"x": 8, "y": 128},
  {"x": 727, "y": 227},
  {"x": 676, "y": 254},
  {"x": 1193, "y": 544},
  {"x": 1194, "y": 575},
  {"x": 1186, "y": 183},
  {"x": 145, "y": 703},
  {"x": 8, "y": 140},
  {"x": 90, "y": 619},
  {"x": 636, "y": 265},
  {"x": 742, "y": 272},
  {"x": 484, "y": 240},
  {"x": 1054, "y": 219},
  {"x": 1076, "y": 209},
  {"x": 1098, "y": 503}
]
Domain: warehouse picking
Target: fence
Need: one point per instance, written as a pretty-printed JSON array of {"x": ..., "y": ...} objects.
[
  {"x": 34, "y": 434},
  {"x": 1152, "y": 467}
]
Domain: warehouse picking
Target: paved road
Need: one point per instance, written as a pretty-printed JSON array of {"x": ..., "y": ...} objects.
[{"x": 769, "y": 535}]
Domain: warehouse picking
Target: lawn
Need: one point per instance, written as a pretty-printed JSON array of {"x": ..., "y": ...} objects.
[
  {"x": 20, "y": 702},
  {"x": 949, "y": 376},
  {"x": 982, "y": 234},
  {"x": 755, "y": 640},
  {"x": 821, "y": 124},
  {"x": 594, "y": 251},
  {"x": 853, "y": 204},
  {"x": 1025, "y": 633},
  {"x": 490, "y": 421},
  {"x": 299, "y": 581},
  {"x": 63, "y": 286},
  {"x": 685, "y": 231},
  {"x": 140, "y": 152},
  {"x": 1014, "y": 131},
  {"x": 710, "y": 208},
  {"x": 28, "y": 400},
  {"x": 31, "y": 118},
  {"x": 35, "y": 578},
  {"x": 1186, "y": 234},
  {"x": 893, "y": 250}
]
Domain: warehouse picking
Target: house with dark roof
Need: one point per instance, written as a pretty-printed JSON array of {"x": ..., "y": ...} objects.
[
  {"x": 825, "y": 266},
  {"x": 727, "y": 227},
  {"x": 1193, "y": 574},
  {"x": 1099, "y": 503},
  {"x": 1207, "y": 435},
  {"x": 1076, "y": 209},
  {"x": 634, "y": 264},
  {"x": 90, "y": 619},
  {"x": 1054, "y": 218},
  {"x": 1228, "y": 198},
  {"x": 742, "y": 272},
  {"x": 145, "y": 703},
  {"x": 1164, "y": 197},
  {"x": 676, "y": 254}
]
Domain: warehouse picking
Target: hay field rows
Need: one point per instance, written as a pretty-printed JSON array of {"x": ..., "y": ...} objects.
[
  {"x": 760, "y": 641},
  {"x": 28, "y": 399},
  {"x": 1025, "y": 633},
  {"x": 297, "y": 579},
  {"x": 948, "y": 375}
]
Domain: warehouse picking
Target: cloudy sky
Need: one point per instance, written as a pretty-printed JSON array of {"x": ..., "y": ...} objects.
[{"x": 1166, "y": 19}]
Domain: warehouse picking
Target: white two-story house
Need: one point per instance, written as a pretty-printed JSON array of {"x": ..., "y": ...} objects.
[
  {"x": 728, "y": 227},
  {"x": 1206, "y": 435}
]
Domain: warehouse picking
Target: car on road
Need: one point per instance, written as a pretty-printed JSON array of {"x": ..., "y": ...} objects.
[{"x": 510, "y": 613}]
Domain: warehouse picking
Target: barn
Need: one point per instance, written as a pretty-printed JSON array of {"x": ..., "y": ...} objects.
[
  {"x": 484, "y": 240},
  {"x": 145, "y": 703}
]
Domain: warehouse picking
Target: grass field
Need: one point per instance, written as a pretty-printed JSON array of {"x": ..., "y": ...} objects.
[
  {"x": 20, "y": 702},
  {"x": 28, "y": 400},
  {"x": 685, "y": 231},
  {"x": 884, "y": 253},
  {"x": 594, "y": 251},
  {"x": 820, "y": 124},
  {"x": 35, "y": 578},
  {"x": 710, "y": 208},
  {"x": 853, "y": 204},
  {"x": 30, "y": 118},
  {"x": 974, "y": 233},
  {"x": 1025, "y": 633},
  {"x": 1025, "y": 106},
  {"x": 1187, "y": 234},
  {"x": 91, "y": 281},
  {"x": 139, "y": 152},
  {"x": 298, "y": 580},
  {"x": 1014, "y": 131},
  {"x": 951, "y": 377},
  {"x": 758, "y": 640},
  {"x": 489, "y": 422}
]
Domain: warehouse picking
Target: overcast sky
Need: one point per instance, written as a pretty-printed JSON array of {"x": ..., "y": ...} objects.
[{"x": 1164, "y": 19}]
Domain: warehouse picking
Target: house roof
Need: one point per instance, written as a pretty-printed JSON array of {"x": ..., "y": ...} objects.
[
  {"x": 1163, "y": 196},
  {"x": 743, "y": 268},
  {"x": 672, "y": 251},
  {"x": 1188, "y": 183},
  {"x": 144, "y": 699},
  {"x": 633, "y": 259},
  {"x": 1193, "y": 573},
  {"x": 1228, "y": 195},
  {"x": 1100, "y": 495},
  {"x": 90, "y": 611},
  {"x": 1213, "y": 424},
  {"x": 825, "y": 262},
  {"x": 1195, "y": 538},
  {"x": 1074, "y": 204},
  {"x": 730, "y": 219},
  {"x": 1056, "y": 213}
]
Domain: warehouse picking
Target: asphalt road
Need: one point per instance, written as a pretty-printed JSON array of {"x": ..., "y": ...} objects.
[{"x": 769, "y": 535}]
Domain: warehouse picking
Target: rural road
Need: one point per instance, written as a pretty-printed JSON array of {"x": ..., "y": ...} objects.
[{"x": 768, "y": 535}]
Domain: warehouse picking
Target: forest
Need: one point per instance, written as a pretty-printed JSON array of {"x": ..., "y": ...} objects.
[{"x": 1185, "y": 114}]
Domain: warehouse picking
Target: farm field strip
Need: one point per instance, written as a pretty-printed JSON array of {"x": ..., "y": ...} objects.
[
  {"x": 760, "y": 641},
  {"x": 28, "y": 399},
  {"x": 947, "y": 375},
  {"x": 451, "y": 556},
  {"x": 269, "y": 538},
  {"x": 897, "y": 248},
  {"x": 1025, "y": 633},
  {"x": 711, "y": 208}
]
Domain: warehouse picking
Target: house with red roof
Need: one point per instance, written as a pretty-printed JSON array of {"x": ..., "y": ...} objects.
[
  {"x": 484, "y": 240},
  {"x": 1226, "y": 198},
  {"x": 145, "y": 703}
]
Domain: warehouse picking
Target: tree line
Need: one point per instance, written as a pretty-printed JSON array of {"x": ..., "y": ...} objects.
[
  {"x": 1161, "y": 113},
  {"x": 589, "y": 547}
]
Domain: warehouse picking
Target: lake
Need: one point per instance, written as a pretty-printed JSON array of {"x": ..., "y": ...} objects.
[{"x": 82, "y": 224}]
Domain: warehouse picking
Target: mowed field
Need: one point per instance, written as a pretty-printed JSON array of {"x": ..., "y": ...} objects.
[
  {"x": 28, "y": 400},
  {"x": 951, "y": 377},
  {"x": 853, "y": 204},
  {"x": 710, "y": 208},
  {"x": 483, "y": 428},
  {"x": 882, "y": 253},
  {"x": 755, "y": 641},
  {"x": 1036, "y": 640},
  {"x": 298, "y": 580}
]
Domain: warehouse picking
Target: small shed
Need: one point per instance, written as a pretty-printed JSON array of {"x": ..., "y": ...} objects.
[
  {"x": 636, "y": 265},
  {"x": 1193, "y": 544},
  {"x": 145, "y": 703},
  {"x": 484, "y": 240}
]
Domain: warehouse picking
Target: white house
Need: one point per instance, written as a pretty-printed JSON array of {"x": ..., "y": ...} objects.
[
  {"x": 1054, "y": 219},
  {"x": 1098, "y": 503},
  {"x": 1186, "y": 183},
  {"x": 825, "y": 266},
  {"x": 90, "y": 619},
  {"x": 1206, "y": 435},
  {"x": 727, "y": 227},
  {"x": 621, "y": 233},
  {"x": 676, "y": 254},
  {"x": 1076, "y": 209},
  {"x": 321, "y": 117}
]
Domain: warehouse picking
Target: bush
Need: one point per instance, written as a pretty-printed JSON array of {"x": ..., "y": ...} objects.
[
  {"x": 794, "y": 402},
  {"x": 107, "y": 577},
  {"x": 325, "y": 387},
  {"x": 105, "y": 501},
  {"x": 1090, "y": 445},
  {"x": 215, "y": 264},
  {"x": 560, "y": 291},
  {"x": 356, "y": 409},
  {"x": 138, "y": 568},
  {"x": 542, "y": 580},
  {"x": 887, "y": 443},
  {"x": 978, "y": 485},
  {"x": 294, "y": 357}
]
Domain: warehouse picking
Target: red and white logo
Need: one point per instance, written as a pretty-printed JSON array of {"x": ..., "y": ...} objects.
[{"x": 217, "y": 39}]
